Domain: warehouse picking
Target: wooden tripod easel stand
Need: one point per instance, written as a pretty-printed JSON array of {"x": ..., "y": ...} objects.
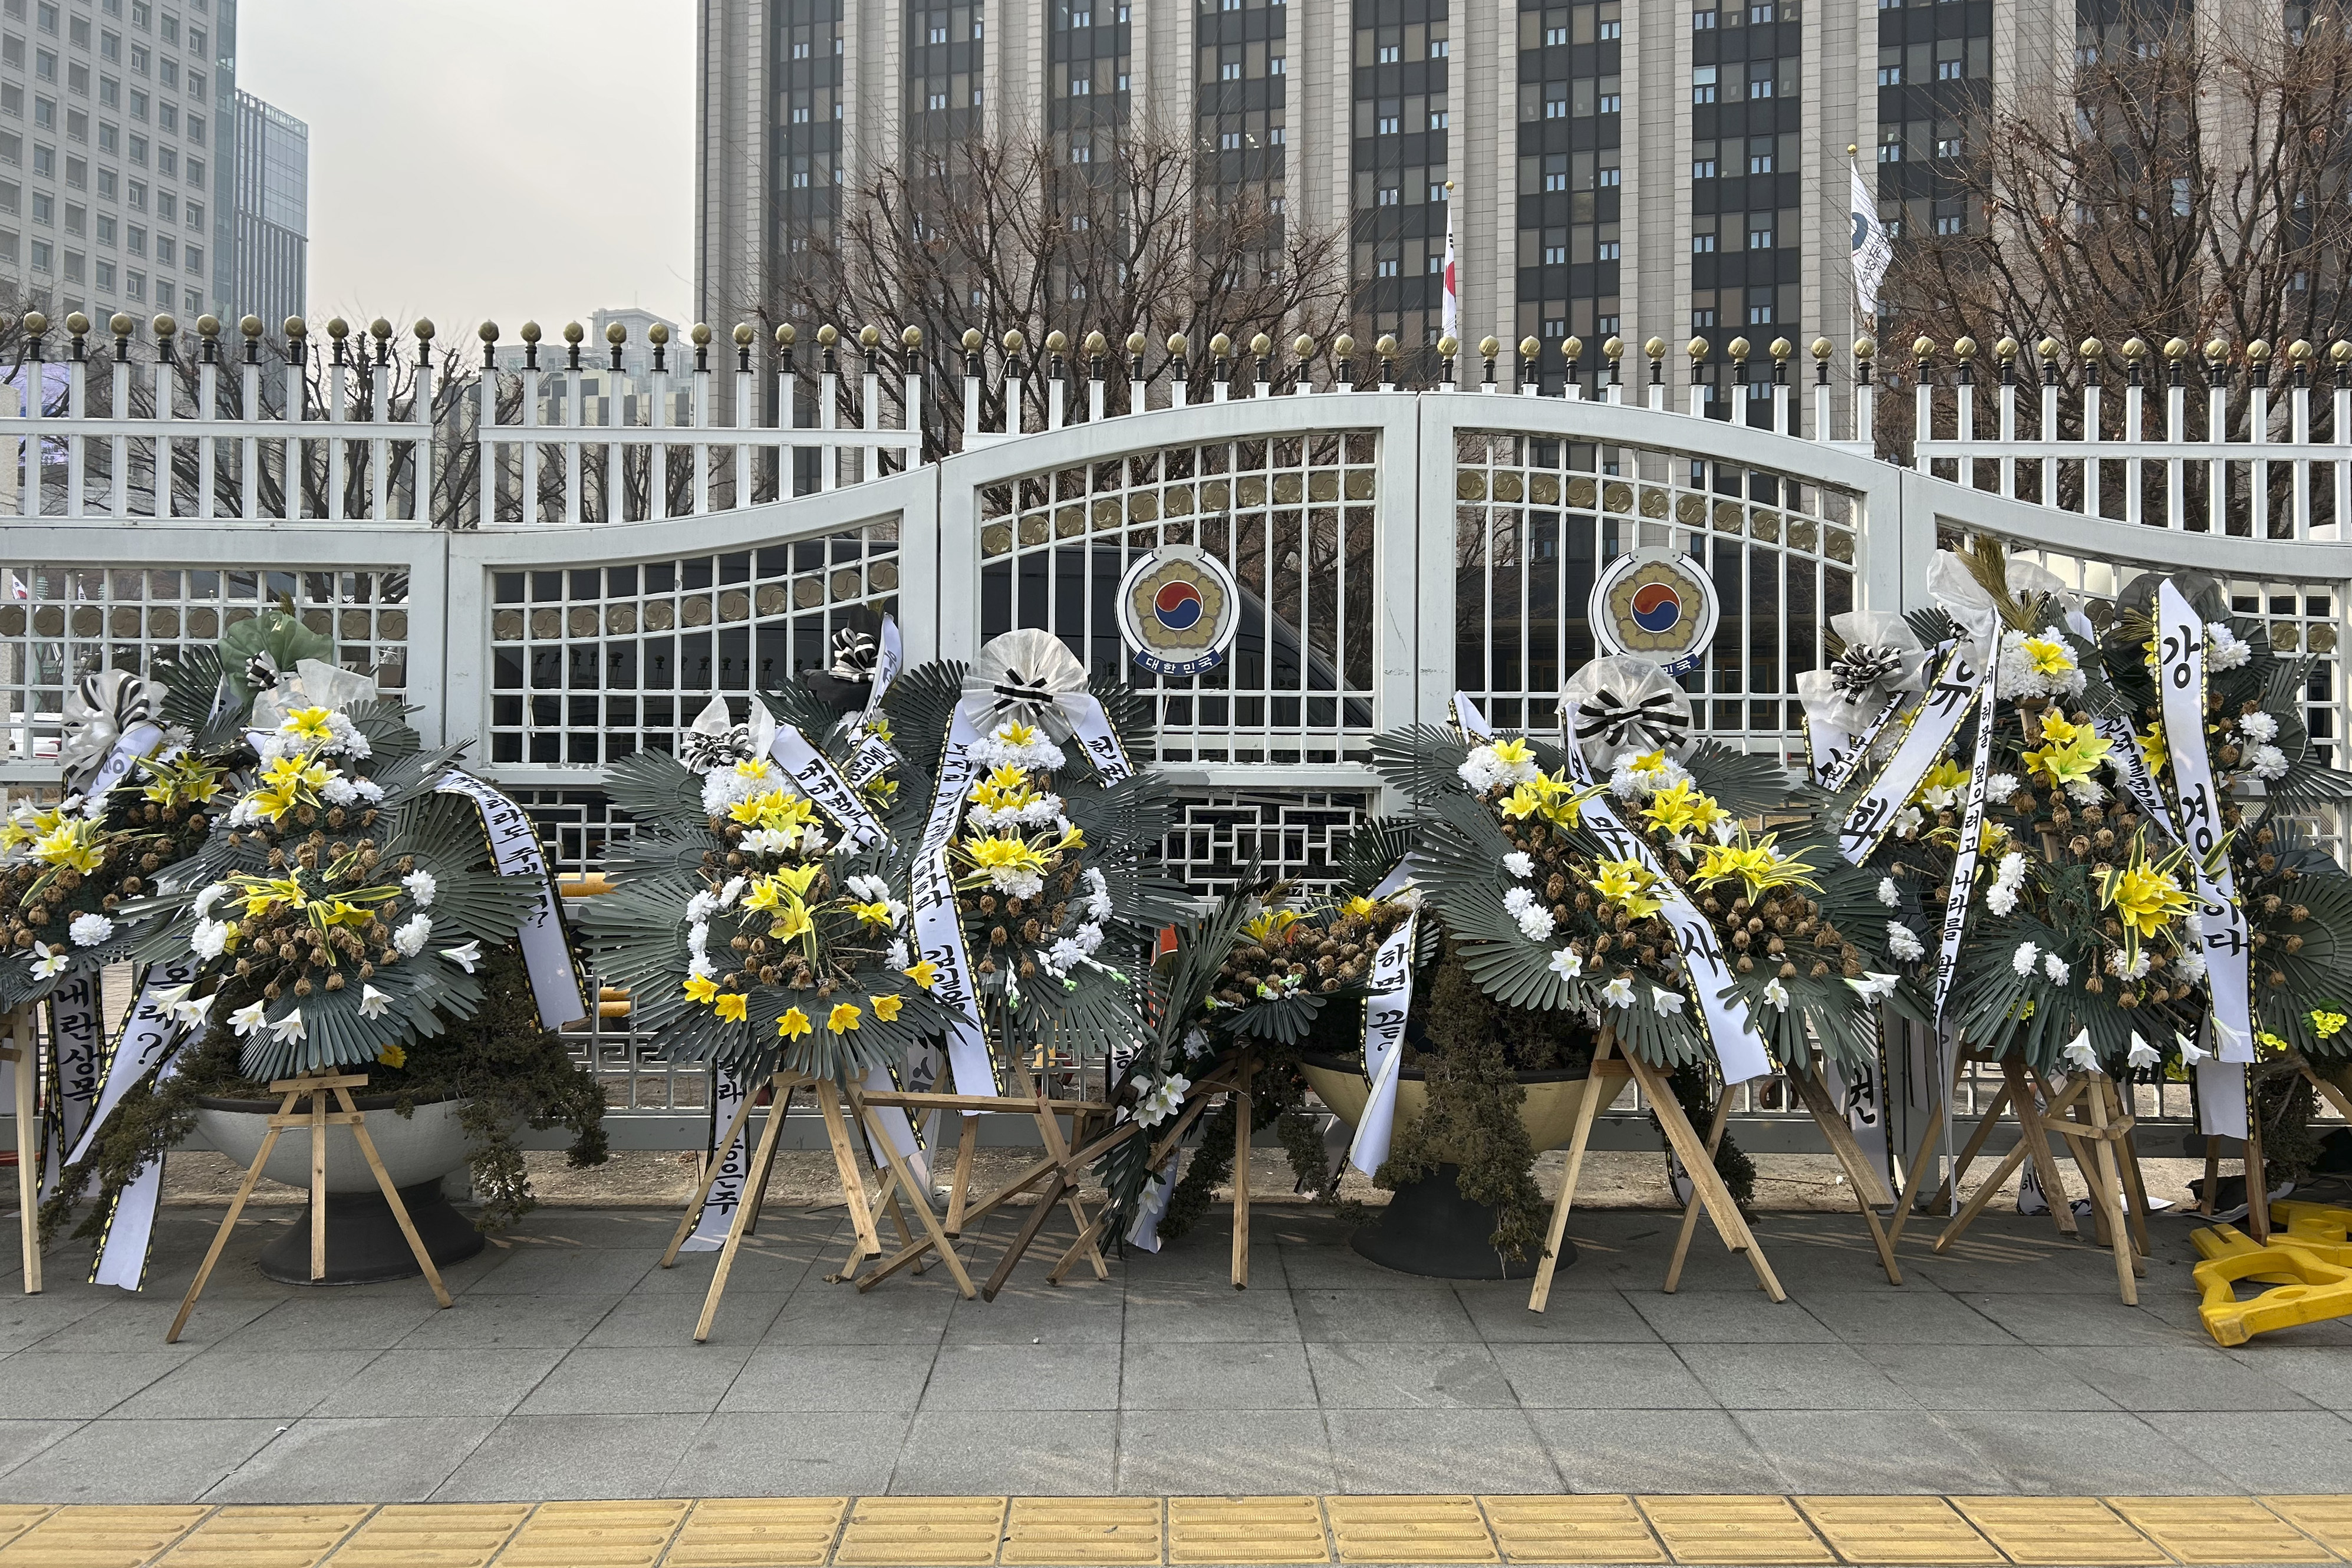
[
  {"x": 315, "y": 1086},
  {"x": 23, "y": 1047}
]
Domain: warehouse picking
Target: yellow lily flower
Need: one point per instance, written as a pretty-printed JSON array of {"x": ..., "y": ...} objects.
[
  {"x": 70, "y": 845},
  {"x": 1626, "y": 884},
  {"x": 2049, "y": 657},
  {"x": 2147, "y": 895},
  {"x": 308, "y": 724},
  {"x": 877, "y": 913},
  {"x": 797, "y": 877},
  {"x": 886, "y": 1008},
  {"x": 1272, "y": 923},
  {"x": 766, "y": 893},
  {"x": 791, "y": 922},
  {"x": 2152, "y": 746},
  {"x": 1682, "y": 807}
]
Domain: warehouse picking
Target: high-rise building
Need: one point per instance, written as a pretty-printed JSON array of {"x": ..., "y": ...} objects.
[
  {"x": 272, "y": 212},
  {"x": 117, "y": 141},
  {"x": 1616, "y": 165}
]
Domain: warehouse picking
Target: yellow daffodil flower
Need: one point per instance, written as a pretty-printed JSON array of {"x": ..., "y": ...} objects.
[
  {"x": 793, "y": 1024},
  {"x": 886, "y": 1008},
  {"x": 731, "y": 1005},
  {"x": 308, "y": 724},
  {"x": 1626, "y": 884},
  {"x": 392, "y": 1056},
  {"x": 925, "y": 973},
  {"x": 1272, "y": 923},
  {"x": 700, "y": 988},
  {"x": 844, "y": 1017},
  {"x": 1683, "y": 808}
]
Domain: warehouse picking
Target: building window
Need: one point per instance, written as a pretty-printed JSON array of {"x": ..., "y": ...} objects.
[
  {"x": 1386, "y": 266},
  {"x": 134, "y": 285},
  {"x": 135, "y": 240},
  {"x": 1703, "y": 84},
  {"x": 1388, "y": 125},
  {"x": 1702, "y": 21},
  {"x": 195, "y": 257},
  {"x": 1439, "y": 48},
  {"x": 1759, "y": 238},
  {"x": 1702, "y": 245},
  {"x": 1611, "y": 100},
  {"x": 42, "y": 254},
  {"x": 105, "y": 228},
  {"x": 1555, "y": 37},
  {"x": 1702, "y": 168},
  {"x": 44, "y": 208},
  {"x": 1759, "y": 315},
  {"x": 1555, "y": 254},
  {"x": 166, "y": 247},
  {"x": 1389, "y": 54},
  {"x": 1438, "y": 193},
  {"x": 1612, "y": 178},
  {"x": 1387, "y": 196},
  {"x": 1611, "y": 29},
  {"x": 104, "y": 276},
  {"x": 1702, "y": 320},
  {"x": 1759, "y": 86}
]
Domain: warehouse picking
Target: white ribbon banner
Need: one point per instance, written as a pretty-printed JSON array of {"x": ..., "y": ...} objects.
[
  {"x": 147, "y": 1036},
  {"x": 726, "y": 1192},
  {"x": 874, "y": 754},
  {"x": 2123, "y": 751},
  {"x": 135, "y": 742},
  {"x": 1927, "y": 728},
  {"x": 815, "y": 775},
  {"x": 1724, "y": 1020},
  {"x": 1387, "y": 998},
  {"x": 130, "y": 1234},
  {"x": 1469, "y": 720},
  {"x": 2180, "y": 680},
  {"x": 1964, "y": 856},
  {"x": 515, "y": 850},
  {"x": 77, "y": 1032},
  {"x": 938, "y": 927}
]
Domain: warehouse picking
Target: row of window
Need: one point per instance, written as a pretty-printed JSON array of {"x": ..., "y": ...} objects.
[
  {"x": 44, "y": 208},
  {"x": 1946, "y": 59},
  {"x": 1404, "y": 46},
  {"x": 1758, "y": 79},
  {"x": 42, "y": 256},
  {"x": 1732, "y": 231},
  {"x": 165, "y": 69},
  {"x": 77, "y": 169},
  {"x": 142, "y": 16},
  {"x": 1578, "y": 98},
  {"x": 110, "y": 138},
  {"x": 1753, "y": 155},
  {"x": 1752, "y": 15}
]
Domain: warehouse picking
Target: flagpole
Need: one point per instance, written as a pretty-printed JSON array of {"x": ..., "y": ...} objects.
[{"x": 1450, "y": 311}]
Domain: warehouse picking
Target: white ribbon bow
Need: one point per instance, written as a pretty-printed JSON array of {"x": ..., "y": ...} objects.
[
  {"x": 103, "y": 706},
  {"x": 715, "y": 741},
  {"x": 1624, "y": 705},
  {"x": 1956, "y": 588},
  {"x": 313, "y": 684},
  {"x": 1024, "y": 677},
  {"x": 1881, "y": 659}
]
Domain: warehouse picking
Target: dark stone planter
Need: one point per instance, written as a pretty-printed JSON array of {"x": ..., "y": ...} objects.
[
  {"x": 364, "y": 1241},
  {"x": 1428, "y": 1228}
]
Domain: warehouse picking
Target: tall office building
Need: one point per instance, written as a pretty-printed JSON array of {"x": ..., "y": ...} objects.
[
  {"x": 117, "y": 141},
  {"x": 272, "y": 212},
  {"x": 1624, "y": 166}
]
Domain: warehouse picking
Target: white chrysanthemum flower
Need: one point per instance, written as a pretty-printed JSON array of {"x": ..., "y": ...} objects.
[
  {"x": 210, "y": 939},
  {"x": 210, "y": 895},
  {"x": 1637, "y": 775},
  {"x": 700, "y": 964},
  {"x": 1014, "y": 882},
  {"x": 2134, "y": 967},
  {"x": 702, "y": 906},
  {"x": 2000, "y": 786},
  {"x": 410, "y": 936},
  {"x": 368, "y": 789},
  {"x": 2191, "y": 965},
  {"x": 1536, "y": 923},
  {"x": 1518, "y": 900},
  {"x": 2024, "y": 958},
  {"x": 1088, "y": 937},
  {"x": 1566, "y": 962},
  {"x": 1888, "y": 893},
  {"x": 2086, "y": 792},
  {"x": 901, "y": 958},
  {"x": 1777, "y": 994},
  {"x": 731, "y": 892},
  {"x": 1667, "y": 1003},
  {"x": 2039, "y": 664},
  {"x": 1485, "y": 768},
  {"x": 2258, "y": 726},
  {"x": 1098, "y": 903},
  {"x": 2267, "y": 763},
  {"x": 2056, "y": 968},
  {"x": 868, "y": 888},
  {"x": 338, "y": 791},
  {"x": 1520, "y": 863},
  {"x": 88, "y": 930},
  {"x": 1618, "y": 992},
  {"x": 1063, "y": 955},
  {"x": 421, "y": 888},
  {"x": 2223, "y": 650},
  {"x": 1903, "y": 944}
]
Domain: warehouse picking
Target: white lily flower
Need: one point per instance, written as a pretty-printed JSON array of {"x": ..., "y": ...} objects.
[
  {"x": 2191, "y": 1053},
  {"x": 2079, "y": 1055},
  {"x": 374, "y": 1003},
  {"x": 1777, "y": 994},
  {"x": 49, "y": 961},
  {"x": 2143, "y": 1054},
  {"x": 1618, "y": 992},
  {"x": 1666, "y": 1003},
  {"x": 464, "y": 957},
  {"x": 1566, "y": 962},
  {"x": 291, "y": 1028},
  {"x": 248, "y": 1019}
]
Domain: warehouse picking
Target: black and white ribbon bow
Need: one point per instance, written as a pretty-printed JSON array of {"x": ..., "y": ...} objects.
[
  {"x": 1866, "y": 670},
  {"x": 1626, "y": 705},
  {"x": 855, "y": 654},
  {"x": 103, "y": 706},
  {"x": 715, "y": 741},
  {"x": 1023, "y": 678}
]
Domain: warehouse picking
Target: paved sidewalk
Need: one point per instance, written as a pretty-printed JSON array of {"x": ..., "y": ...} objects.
[{"x": 566, "y": 1371}]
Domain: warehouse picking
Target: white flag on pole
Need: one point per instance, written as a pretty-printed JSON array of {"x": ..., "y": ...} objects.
[
  {"x": 1872, "y": 249},
  {"x": 1449, "y": 322}
]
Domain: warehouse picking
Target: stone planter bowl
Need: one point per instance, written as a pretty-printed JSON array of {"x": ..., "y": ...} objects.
[
  {"x": 420, "y": 1148},
  {"x": 1548, "y": 1112}
]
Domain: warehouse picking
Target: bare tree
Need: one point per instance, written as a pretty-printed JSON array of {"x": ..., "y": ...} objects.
[
  {"x": 999, "y": 234},
  {"x": 2186, "y": 177}
]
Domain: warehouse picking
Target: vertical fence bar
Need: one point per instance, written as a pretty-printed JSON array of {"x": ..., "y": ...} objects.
[
  {"x": 119, "y": 404},
  {"x": 657, "y": 420},
  {"x": 207, "y": 413},
  {"x": 166, "y": 372},
  {"x": 2339, "y": 435},
  {"x": 574, "y": 422},
  {"x": 2008, "y": 416},
  {"x": 2135, "y": 430},
  {"x": 2217, "y": 434},
  {"x": 485, "y": 432},
  {"x": 2049, "y": 430},
  {"x": 297, "y": 413},
  {"x": 2176, "y": 426},
  {"x": 532, "y": 386},
  {"x": 380, "y": 422},
  {"x": 828, "y": 415},
  {"x": 423, "y": 465},
  {"x": 249, "y": 446},
  {"x": 701, "y": 416},
  {"x": 2094, "y": 471},
  {"x": 2258, "y": 433},
  {"x": 76, "y": 414},
  {"x": 788, "y": 416},
  {"x": 338, "y": 412},
  {"x": 2299, "y": 432}
]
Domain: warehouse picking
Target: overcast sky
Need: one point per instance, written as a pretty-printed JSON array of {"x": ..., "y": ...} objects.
[{"x": 488, "y": 158}]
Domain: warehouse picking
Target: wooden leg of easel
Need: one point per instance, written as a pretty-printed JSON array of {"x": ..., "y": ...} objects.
[
  {"x": 1983, "y": 1194},
  {"x": 391, "y": 1193},
  {"x": 1729, "y": 1222},
  {"x": 2258, "y": 1175},
  {"x": 318, "y": 1185},
  {"x": 2033, "y": 1135},
  {"x": 884, "y": 1198},
  {"x": 1242, "y": 1116},
  {"x": 919, "y": 1200},
  {"x": 1089, "y": 1241},
  {"x": 1690, "y": 1209},
  {"x": 1049, "y": 1130},
  {"x": 967, "y": 1140},
  {"x": 760, "y": 1166},
  {"x": 1916, "y": 1172},
  {"x": 2135, "y": 1191},
  {"x": 229, "y": 1222},
  {"x": 780, "y": 1103},
  {"x": 1869, "y": 1187},
  {"x": 717, "y": 1162},
  {"x": 844, "y": 1164},
  {"x": 1974, "y": 1146},
  {"x": 23, "y": 1052},
  {"x": 1586, "y": 1110},
  {"x": 2110, "y": 1198},
  {"x": 1027, "y": 1234}
]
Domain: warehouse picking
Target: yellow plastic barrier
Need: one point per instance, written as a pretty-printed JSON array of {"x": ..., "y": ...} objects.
[
  {"x": 2318, "y": 1289},
  {"x": 2324, "y": 1230}
]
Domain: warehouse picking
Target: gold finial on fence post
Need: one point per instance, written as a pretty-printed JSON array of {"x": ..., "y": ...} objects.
[
  {"x": 1386, "y": 347},
  {"x": 489, "y": 332},
  {"x": 1343, "y": 353},
  {"x": 122, "y": 325}
]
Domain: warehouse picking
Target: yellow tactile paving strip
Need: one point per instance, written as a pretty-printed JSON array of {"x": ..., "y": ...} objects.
[{"x": 1255, "y": 1532}]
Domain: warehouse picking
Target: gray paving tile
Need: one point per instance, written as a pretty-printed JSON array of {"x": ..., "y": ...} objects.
[
  {"x": 1653, "y": 1451},
  {"x": 1048, "y": 1376},
  {"x": 1054, "y": 1453},
  {"x": 1236, "y": 1452},
  {"x": 1868, "y": 1451},
  {"x": 1341, "y": 1267},
  {"x": 1601, "y": 1377},
  {"x": 795, "y": 1453},
  {"x": 1084, "y": 1309},
  {"x": 894, "y": 1314},
  {"x": 649, "y": 1318},
  {"x": 666, "y": 1379},
  {"x": 1439, "y": 1451},
  {"x": 315, "y": 1322},
  {"x": 355, "y": 1460},
  {"x": 1916, "y": 1314},
  {"x": 226, "y": 1381},
  {"x": 2288, "y": 1451},
  {"x": 1741, "y": 1317},
  {"x": 2042, "y": 1318},
  {"x": 1501, "y": 1315},
  {"x": 2322, "y": 1375},
  {"x": 558, "y": 1321},
  {"x": 1970, "y": 1377},
  {"x": 74, "y": 1385},
  {"x": 1209, "y": 1314},
  {"x": 1793, "y": 1377},
  {"x": 2070, "y": 1452},
  {"x": 22, "y": 1437},
  {"x": 137, "y": 1325},
  {"x": 1240, "y": 1378},
  {"x": 1205, "y": 1257},
  {"x": 2173, "y": 1377},
  {"x": 1396, "y": 1375},
  {"x": 769, "y": 1265},
  {"x": 459, "y": 1380},
  {"x": 830, "y": 1377},
  {"x": 27, "y": 1319},
  {"x": 567, "y": 1270},
  {"x": 1428, "y": 1313},
  {"x": 529, "y": 1458},
  {"x": 137, "y": 1461}
]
